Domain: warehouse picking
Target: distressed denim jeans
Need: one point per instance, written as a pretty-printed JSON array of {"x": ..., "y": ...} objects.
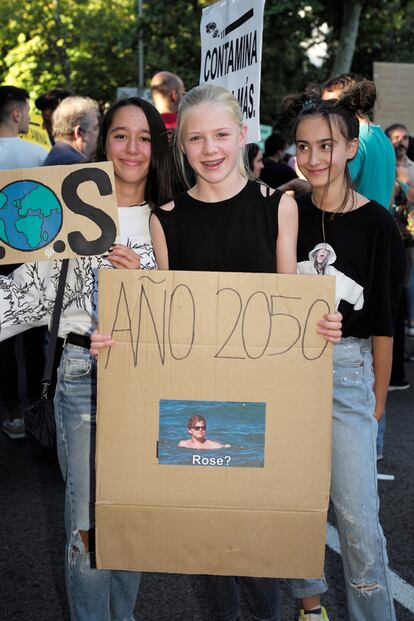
[
  {"x": 94, "y": 594},
  {"x": 354, "y": 492},
  {"x": 223, "y": 597}
]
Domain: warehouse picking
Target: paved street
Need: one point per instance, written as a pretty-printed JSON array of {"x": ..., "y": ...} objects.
[{"x": 32, "y": 539}]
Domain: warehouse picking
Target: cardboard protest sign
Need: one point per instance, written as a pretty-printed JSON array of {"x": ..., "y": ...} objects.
[
  {"x": 210, "y": 406},
  {"x": 231, "y": 54},
  {"x": 57, "y": 212},
  {"x": 395, "y": 104}
]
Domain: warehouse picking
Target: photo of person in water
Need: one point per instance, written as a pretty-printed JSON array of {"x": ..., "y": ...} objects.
[{"x": 197, "y": 428}]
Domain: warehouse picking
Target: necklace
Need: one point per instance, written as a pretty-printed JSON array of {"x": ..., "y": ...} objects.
[{"x": 349, "y": 203}]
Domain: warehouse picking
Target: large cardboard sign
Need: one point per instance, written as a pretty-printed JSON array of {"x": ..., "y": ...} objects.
[
  {"x": 210, "y": 406},
  {"x": 395, "y": 102},
  {"x": 57, "y": 212},
  {"x": 231, "y": 54}
]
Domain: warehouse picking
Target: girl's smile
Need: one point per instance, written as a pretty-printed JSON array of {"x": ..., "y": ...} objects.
[
  {"x": 322, "y": 151},
  {"x": 212, "y": 141}
]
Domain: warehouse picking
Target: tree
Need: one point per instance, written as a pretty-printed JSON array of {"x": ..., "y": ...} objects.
[
  {"x": 91, "y": 46},
  {"x": 348, "y": 36}
]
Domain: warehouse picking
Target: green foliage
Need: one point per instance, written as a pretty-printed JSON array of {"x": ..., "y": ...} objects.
[{"x": 90, "y": 46}]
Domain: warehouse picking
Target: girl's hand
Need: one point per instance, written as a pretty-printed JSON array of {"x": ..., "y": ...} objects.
[
  {"x": 121, "y": 256},
  {"x": 331, "y": 327},
  {"x": 99, "y": 341}
]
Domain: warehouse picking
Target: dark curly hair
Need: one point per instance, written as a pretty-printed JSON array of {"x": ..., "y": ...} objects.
[{"x": 354, "y": 87}]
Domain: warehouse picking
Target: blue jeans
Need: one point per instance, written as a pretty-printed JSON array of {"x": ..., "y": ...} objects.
[
  {"x": 94, "y": 594},
  {"x": 381, "y": 435},
  {"x": 224, "y": 601},
  {"x": 354, "y": 491}
]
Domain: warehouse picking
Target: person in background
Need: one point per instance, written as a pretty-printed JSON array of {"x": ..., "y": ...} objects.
[
  {"x": 167, "y": 90},
  {"x": 404, "y": 193},
  {"x": 47, "y": 103},
  {"x": 255, "y": 157},
  {"x": 75, "y": 126},
  {"x": 14, "y": 120},
  {"x": 18, "y": 153},
  {"x": 275, "y": 171},
  {"x": 398, "y": 134}
]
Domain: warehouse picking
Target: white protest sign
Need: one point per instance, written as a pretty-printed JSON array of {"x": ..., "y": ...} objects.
[{"x": 231, "y": 54}]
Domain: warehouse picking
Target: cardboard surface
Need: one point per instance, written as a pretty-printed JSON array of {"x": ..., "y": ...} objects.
[
  {"x": 57, "y": 212},
  {"x": 214, "y": 343},
  {"x": 395, "y": 102}
]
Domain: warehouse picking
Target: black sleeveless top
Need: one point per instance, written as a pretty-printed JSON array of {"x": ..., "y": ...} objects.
[{"x": 234, "y": 235}]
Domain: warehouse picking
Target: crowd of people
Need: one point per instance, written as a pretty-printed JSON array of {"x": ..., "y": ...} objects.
[{"x": 181, "y": 168}]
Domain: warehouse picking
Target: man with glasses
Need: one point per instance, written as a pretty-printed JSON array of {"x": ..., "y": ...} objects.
[{"x": 197, "y": 427}]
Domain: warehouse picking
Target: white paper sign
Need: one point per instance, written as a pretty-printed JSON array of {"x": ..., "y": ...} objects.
[{"x": 231, "y": 54}]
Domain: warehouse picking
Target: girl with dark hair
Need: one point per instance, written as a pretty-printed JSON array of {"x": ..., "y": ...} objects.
[
  {"x": 133, "y": 137},
  {"x": 368, "y": 251},
  {"x": 255, "y": 159},
  {"x": 373, "y": 167}
]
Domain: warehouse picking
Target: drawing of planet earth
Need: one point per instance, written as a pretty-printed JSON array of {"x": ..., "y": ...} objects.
[{"x": 30, "y": 215}]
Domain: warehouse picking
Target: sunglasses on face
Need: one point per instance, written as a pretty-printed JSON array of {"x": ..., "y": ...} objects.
[{"x": 199, "y": 427}]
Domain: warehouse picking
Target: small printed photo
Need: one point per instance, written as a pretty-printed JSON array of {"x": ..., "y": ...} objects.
[{"x": 212, "y": 433}]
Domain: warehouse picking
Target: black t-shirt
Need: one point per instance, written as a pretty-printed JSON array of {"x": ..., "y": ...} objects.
[
  {"x": 275, "y": 174},
  {"x": 235, "y": 235},
  {"x": 363, "y": 250}
]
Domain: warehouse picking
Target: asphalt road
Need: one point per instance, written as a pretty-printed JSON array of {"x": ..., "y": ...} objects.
[{"x": 32, "y": 536}]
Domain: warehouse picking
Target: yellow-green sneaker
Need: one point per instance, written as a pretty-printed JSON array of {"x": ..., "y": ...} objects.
[{"x": 313, "y": 616}]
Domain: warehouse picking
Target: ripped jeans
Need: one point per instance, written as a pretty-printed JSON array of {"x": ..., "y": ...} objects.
[
  {"x": 94, "y": 594},
  {"x": 354, "y": 491}
]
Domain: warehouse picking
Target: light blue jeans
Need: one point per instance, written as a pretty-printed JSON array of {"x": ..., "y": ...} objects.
[
  {"x": 354, "y": 491},
  {"x": 94, "y": 594}
]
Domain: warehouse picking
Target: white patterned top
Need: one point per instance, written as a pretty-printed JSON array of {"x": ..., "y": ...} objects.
[{"x": 27, "y": 296}]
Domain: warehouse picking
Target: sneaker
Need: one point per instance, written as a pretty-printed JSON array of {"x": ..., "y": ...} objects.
[
  {"x": 14, "y": 428},
  {"x": 380, "y": 456},
  {"x": 403, "y": 385},
  {"x": 314, "y": 615}
]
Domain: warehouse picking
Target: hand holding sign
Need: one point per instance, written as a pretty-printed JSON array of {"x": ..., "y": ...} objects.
[{"x": 121, "y": 256}]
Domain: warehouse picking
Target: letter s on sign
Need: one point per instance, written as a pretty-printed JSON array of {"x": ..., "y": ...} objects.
[{"x": 77, "y": 242}]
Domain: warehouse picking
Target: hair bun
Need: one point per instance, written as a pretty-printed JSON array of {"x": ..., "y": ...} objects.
[{"x": 294, "y": 104}]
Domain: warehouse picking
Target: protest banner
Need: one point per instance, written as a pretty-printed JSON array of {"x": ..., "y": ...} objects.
[
  {"x": 210, "y": 406},
  {"x": 231, "y": 54},
  {"x": 57, "y": 212},
  {"x": 36, "y": 133}
]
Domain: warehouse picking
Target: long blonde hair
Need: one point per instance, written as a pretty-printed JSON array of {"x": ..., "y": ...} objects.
[{"x": 206, "y": 93}]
